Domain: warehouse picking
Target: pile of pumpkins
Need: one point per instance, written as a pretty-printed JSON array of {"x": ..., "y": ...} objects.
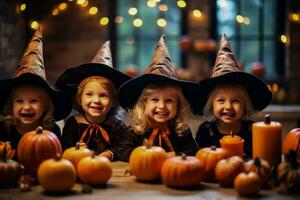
[
  {"x": 151, "y": 163},
  {"x": 40, "y": 151}
]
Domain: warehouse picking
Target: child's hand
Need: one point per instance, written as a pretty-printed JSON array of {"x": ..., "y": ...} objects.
[
  {"x": 171, "y": 154},
  {"x": 107, "y": 154}
]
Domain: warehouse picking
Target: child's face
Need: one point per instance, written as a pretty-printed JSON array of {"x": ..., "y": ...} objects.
[
  {"x": 95, "y": 101},
  {"x": 228, "y": 105},
  {"x": 28, "y": 105},
  {"x": 161, "y": 105}
]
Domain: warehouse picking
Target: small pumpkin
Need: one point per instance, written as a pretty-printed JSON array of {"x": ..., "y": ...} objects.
[
  {"x": 10, "y": 152},
  {"x": 210, "y": 156},
  {"x": 35, "y": 147},
  {"x": 247, "y": 184},
  {"x": 261, "y": 167},
  {"x": 227, "y": 170},
  {"x": 75, "y": 154},
  {"x": 292, "y": 142},
  {"x": 56, "y": 175},
  {"x": 182, "y": 171},
  {"x": 94, "y": 170},
  {"x": 145, "y": 162},
  {"x": 288, "y": 173},
  {"x": 9, "y": 171}
]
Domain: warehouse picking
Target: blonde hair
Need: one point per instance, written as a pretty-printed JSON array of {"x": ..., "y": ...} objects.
[
  {"x": 248, "y": 109},
  {"x": 47, "y": 120},
  {"x": 102, "y": 81},
  {"x": 139, "y": 121}
]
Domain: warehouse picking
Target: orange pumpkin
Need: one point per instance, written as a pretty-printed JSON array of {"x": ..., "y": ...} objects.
[
  {"x": 35, "y": 147},
  {"x": 261, "y": 167},
  {"x": 227, "y": 170},
  {"x": 75, "y": 154},
  {"x": 182, "y": 171},
  {"x": 10, "y": 152},
  {"x": 94, "y": 170},
  {"x": 210, "y": 156},
  {"x": 247, "y": 184},
  {"x": 292, "y": 142},
  {"x": 9, "y": 171},
  {"x": 145, "y": 162},
  {"x": 56, "y": 175}
]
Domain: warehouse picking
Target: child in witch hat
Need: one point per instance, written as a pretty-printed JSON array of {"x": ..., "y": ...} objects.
[
  {"x": 94, "y": 89},
  {"x": 159, "y": 108},
  {"x": 28, "y": 100},
  {"x": 230, "y": 98}
]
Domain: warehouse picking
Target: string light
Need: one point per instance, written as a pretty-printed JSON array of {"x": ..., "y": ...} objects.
[
  {"x": 138, "y": 22},
  {"x": 93, "y": 10},
  {"x": 151, "y": 3},
  {"x": 163, "y": 7},
  {"x": 119, "y": 19},
  {"x": 284, "y": 39},
  {"x": 34, "y": 25},
  {"x": 246, "y": 20},
  {"x": 62, "y": 6},
  {"x": 197, "y": 13},
  {"x": 132, "y": 11},
  {"x": 55, "y": 12},
  {"x": 294, "y": 17},
  {"x": 181, "y": 4},
  {"x": 80, "y": 2},
  {"x": 161, "y": 22},
  {"x": 23, "y": 7},
  {"x": 104, "y": 21},
  {"x": 239, "y": 19}
]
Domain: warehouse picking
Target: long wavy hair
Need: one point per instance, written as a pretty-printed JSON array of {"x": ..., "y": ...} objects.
[
  {"x": 139, "y": 121},
  {"x": 248, "y": 109},
  {"x": 47, "y": 120},
  {"x": 102, "y": 81}
]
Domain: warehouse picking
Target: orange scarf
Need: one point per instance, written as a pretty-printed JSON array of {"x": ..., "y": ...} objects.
[
  {"x": 162, "y": 133},
  {"x": 95, "y": 130}
]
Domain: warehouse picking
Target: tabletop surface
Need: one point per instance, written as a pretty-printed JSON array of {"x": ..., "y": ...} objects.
[{"x": 126, "y": 187}]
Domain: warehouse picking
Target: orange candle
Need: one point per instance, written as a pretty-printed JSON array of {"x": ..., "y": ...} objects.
[
  {"x": 233, "y": 144},
  {"x": 267, "y": 140}
]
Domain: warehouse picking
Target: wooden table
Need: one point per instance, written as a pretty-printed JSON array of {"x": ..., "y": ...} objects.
[{"x": 120, "y": 187}]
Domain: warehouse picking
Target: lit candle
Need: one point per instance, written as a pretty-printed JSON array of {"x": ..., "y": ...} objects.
[
  {"x": 267, "y": 140},
  {"x": 233, "y": 144}
]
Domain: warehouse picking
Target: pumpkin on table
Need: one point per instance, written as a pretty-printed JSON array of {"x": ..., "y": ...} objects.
[
  {"x": 261, "y": 167},
  {"x": 210, "y": 156},
  {"x": 182, "y": 171},
  {"x": 35, "y": 147},
  {"x": 227, "y": 170},
  {"x": 56, "y": 175},
  {"x": 247, "y": 184},
  {"x": 9, "y": 170},
  {"x": 75, "y": 154},
  {"x": 292, "y": 142},
  {"x": 94, "y": 170},
  {"x": 10, "y": 152},
  {"x": 145, "y": 162}
]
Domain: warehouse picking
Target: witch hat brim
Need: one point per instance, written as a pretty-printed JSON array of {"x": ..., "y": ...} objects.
[
  {"x": 72, "y": 77},
  {"x": 60, "y": 99},
  {"x": 258, "y": 90},
  {"x": 130, "y": 91}
]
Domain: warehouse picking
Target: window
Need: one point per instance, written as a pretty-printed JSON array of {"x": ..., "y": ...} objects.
[
  {"x": 252, "y": 27},
  {"x": 138, "y": 32}
]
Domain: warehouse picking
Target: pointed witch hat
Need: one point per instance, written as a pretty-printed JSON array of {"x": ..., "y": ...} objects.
[
  {"x": 31, "y": 71},
  {"x": 161, "y": 70},
  {"x": 101, "y": 65},
  {"x": 227, "y": 70}
]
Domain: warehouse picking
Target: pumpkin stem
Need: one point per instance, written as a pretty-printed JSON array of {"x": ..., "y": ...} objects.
[
  {"x": 57, "y": 157},
  {"x": 39, "y": 130},
  {"x": 257, "y": 162},
  {"x": 267, "y": 119},
  {"x": 183, "y": 156},
  {"x": 213, "y": 148},
  {"x": 147, "y": 144},
  {"x": 93, "y": 154},
  {"x": 231, "y": 133},
  {"x": 77, "y": 146}
]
